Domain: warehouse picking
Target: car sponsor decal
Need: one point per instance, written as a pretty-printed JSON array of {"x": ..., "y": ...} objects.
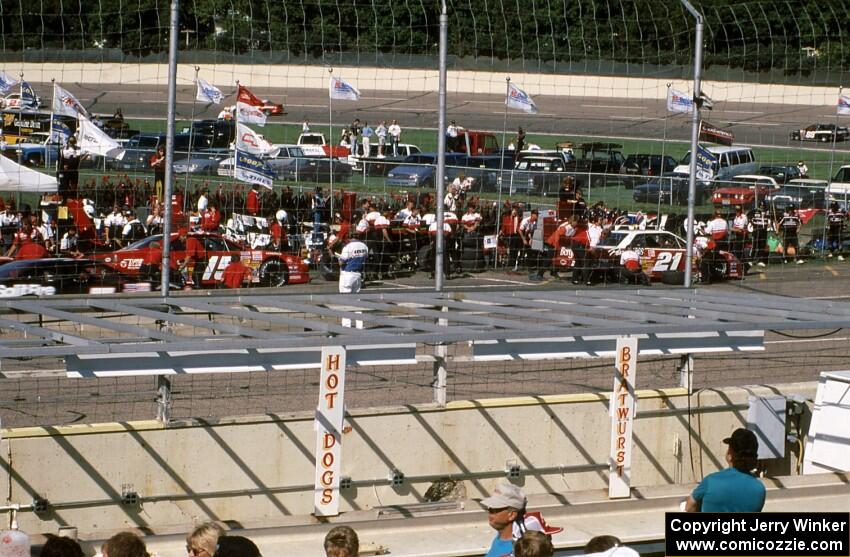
[
  {"x": 26, "y": 290},
  {"x": 131, "y": 264}
]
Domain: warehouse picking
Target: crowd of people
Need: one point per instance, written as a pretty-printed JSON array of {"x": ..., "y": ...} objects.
[{"x": 394, "y": 228}]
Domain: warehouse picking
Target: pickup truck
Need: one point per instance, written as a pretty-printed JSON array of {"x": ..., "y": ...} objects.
[
  {"x": 314, "y": 144},
  {"x": 379, "y": 166},
  {"x": 473, "y": 143},
  {"x": 595, "y": 162}
]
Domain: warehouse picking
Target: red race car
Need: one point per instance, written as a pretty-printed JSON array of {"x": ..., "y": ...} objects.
[
  {"x": 272, "y": 109},
  {"x": 269, "y": 268}
]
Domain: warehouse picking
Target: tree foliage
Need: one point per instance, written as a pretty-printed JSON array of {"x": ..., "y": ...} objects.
[{"x": 789, "y": 36}]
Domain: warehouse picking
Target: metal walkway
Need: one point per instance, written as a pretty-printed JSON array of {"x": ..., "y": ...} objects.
[{"x": 133, "y": 325}]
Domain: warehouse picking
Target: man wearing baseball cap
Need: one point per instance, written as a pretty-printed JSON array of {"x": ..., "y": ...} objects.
[
  {"x": 504, "y": 506},
  {"x": 734, "y": 489}
]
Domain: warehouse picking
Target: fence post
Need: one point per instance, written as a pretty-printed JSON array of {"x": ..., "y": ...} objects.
[
  {"x": 440, "y": 380},
  {"x": 163, "y": 400},
  {"x": 686, "y": 372}
]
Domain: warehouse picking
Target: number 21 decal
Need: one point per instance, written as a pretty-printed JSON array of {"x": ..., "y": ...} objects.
[{"x": 667, "y": 261}]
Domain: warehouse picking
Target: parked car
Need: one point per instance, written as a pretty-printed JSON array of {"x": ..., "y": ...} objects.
[
  {"x": 637, "y": 169},
  {"x": 379, "y": 165},
  {"x": 222, "y": 132},
  {"x": 595, "y": 162},
  {"x": 731, "y": 162},
  {"x": 314, "y": 144},
  {"x": 801, "y": 193},
  {"x": 483, "y": 170},
  {"x": 140, "y": 148},
  {"x": 47, "y": 277},
  {"x": 419, "y": 170},
  {"x": 839, "y": 188},
  {"x": 268, "y": 268},
  {"x": 310, "y": 169},
  {"x": 672, "y": 189},
  {"x": 746, "y": 190},
  {"x": 540, "y": 175},
  {"x": 203, "y": 162},
  {"x": 824, "y": 133},
  {"x": 781, "y": 173}
]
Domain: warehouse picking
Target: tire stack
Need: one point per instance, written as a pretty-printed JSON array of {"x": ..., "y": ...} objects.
[{"x": 472, "y": 253}]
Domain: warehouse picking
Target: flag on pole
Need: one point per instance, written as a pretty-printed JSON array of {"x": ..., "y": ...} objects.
[
  {"x": 28, "y": 98},
  {"x": 252, "y": 169},
  {"x": 91, "y": 139},
  {"x": 208, "y": 93},
  {"x": 844, "y": 104},
  {"x": 248, "y": 107},
  {"x": 249, "y": 141},
  {"x": 6, "y": 82},
  {"x": 66, "y": 103},
  {"x": 519, "y": 99},
  {"x": 679, "y": 102},
  {"x": 60, "y": 133},
  {"x": 342, "y": 90}
]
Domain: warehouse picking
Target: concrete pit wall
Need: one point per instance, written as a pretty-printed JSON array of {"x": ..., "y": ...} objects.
[{"x": 260, "y": 470}]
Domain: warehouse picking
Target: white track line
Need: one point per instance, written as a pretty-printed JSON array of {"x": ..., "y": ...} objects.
[
  {"x": 508, "y": 281},
  {"x": 615, "y": 107}
]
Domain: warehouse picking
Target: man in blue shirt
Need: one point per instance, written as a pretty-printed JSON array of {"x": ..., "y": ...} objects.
[
  {"x": 734, "y": 489},
  {"x": 503, "y": 507}
]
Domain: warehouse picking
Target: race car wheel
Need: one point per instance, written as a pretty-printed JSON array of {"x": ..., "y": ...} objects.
[
  {"x": 273, "y": 272},
  {"x": 328, "y": 268},
  {"x": 824, "y": 138}
]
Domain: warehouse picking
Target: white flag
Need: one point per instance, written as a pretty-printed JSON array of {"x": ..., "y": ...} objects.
[
  {"x": 340, "y": 89},
  {"x": 251, "y": 142},
  {"x": 678, "y": 101},
  {"x": 249, "y": 113},
  {"x": 66, "y": 103},
  {"x": 519, "y": 99},
  {"x": 843, "y": 104},
  {"x": 7, "y": 82},
  {"x": 208, "y": 93},
  {"x": 91, "y": 139}
]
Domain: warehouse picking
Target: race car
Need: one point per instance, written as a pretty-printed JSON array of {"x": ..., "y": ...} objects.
[
  {"x": 660, "y": 252},
  {"x": 50, "y": 276},
  {"x": 821, "y": 132},
  {"x": 271, "y": 108},
  {"x": 269, "y": 268}
]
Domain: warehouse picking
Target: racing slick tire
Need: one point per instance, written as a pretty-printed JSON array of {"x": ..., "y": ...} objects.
[
  {"x": 424, "y": 260},
  {"x": 824, "y": 138},
  {"x": 273, "y": 272},
  {"x": 328, "y": 268},
  {"x": 674, "y": 278}
]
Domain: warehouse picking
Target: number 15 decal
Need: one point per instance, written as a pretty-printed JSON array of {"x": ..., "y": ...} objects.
[{"x": 667, "y": 261}]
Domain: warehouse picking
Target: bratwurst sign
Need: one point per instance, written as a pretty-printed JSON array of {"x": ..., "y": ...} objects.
[{"x": 622, "y": 417}]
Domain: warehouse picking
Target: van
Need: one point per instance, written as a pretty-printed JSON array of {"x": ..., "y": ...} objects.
[
  {"x": 839, "y": 188},
  {"x": 731, "y": 162}
]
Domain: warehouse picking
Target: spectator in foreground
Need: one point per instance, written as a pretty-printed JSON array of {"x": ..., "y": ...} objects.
[
  {"x": 202, "y": 541},
  {"x": 59, "y": 546},
  {"x": 534, "y": 544},
  {"x": 342, "y": 541},
  {"x": 608, "y": 546},
  {"x": 124, "y": 544},
  {"x": 236, "y": 546},
  {"x": 503, "y": 507},
  {"x": 734, "y": 489}
]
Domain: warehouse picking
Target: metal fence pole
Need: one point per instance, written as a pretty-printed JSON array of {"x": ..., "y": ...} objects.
[
  {"x": 169, "y": 146},
  {"x": 439, "y": 245},
  {"x": 694, "y": 140}
]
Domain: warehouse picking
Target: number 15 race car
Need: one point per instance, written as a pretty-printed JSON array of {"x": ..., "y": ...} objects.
[
  {"x": 269, "y": 268},
  {"x": 660, "y": 252}
]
